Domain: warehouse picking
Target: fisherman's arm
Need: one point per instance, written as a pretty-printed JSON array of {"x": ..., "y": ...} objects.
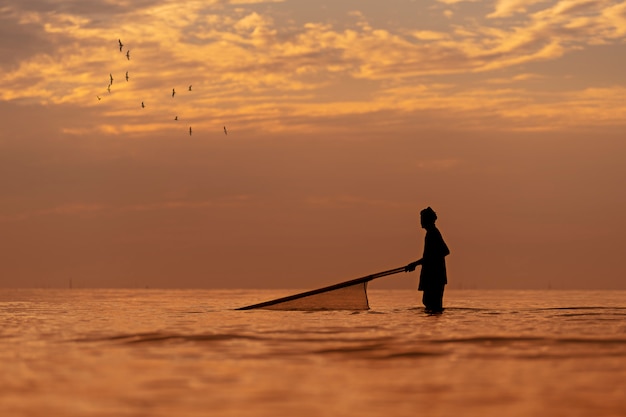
[{"x": 411, "y": 267}]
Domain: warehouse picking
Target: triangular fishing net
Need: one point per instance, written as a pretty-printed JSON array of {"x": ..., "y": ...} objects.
[{"x": 347, "y": 295}]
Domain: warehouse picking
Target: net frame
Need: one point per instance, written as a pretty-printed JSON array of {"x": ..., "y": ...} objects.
[{"x": 275, "y": 304}]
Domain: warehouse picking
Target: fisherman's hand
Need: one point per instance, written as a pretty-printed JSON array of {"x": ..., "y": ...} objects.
[{"x": 410, "y": 267}]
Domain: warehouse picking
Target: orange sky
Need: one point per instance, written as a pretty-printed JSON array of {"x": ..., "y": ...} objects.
[{"x": 344, "y": 119}]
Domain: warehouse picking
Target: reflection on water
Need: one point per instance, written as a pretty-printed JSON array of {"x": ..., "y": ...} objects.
[{"x": 189, "y": 353}]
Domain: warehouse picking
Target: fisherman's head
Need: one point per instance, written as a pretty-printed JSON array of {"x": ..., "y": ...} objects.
[{"x": 428, "y": 217}]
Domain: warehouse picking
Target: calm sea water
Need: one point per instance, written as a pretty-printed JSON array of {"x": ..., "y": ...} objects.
[{"x": 189, "y": 353}]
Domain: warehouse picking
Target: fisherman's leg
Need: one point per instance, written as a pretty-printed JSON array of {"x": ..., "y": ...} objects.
[
  {"x": 437, "y": 299},
  {"x": 427, "y": 300}
]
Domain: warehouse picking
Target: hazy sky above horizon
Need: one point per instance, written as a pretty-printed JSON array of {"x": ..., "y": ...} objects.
[{"x": 345, "y": 118}]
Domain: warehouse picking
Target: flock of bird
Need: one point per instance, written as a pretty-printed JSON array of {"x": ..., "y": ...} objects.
[{"x": 121, "y": 47}]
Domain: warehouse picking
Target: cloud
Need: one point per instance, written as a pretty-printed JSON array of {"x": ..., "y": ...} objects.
[
  {"x": 429, "y": 35},
  {"x": 71, "y": 209},
  {"x": 505, "y": 8},
  {"x": 102, "y": 209},
  {"x": 515, "y": 78},
  {"x": 266, "y": 72},
  {"x": 347, "y": 201},
  {"x": 457, "y": 1}
]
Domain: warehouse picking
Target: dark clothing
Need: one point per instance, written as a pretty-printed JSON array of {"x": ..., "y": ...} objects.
[
  {"x": 433, "y": 277},
  {"x": 433, "y": 299}
]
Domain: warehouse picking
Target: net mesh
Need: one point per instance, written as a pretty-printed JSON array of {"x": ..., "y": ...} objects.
[
  {"x": 353, "y": 297},
  {"x": 348, "y": 295}
]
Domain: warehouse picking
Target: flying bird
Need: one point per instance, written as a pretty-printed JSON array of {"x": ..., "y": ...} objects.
[
  {"x": 189, "y": 130},
  {"x": 128, "y": 55},
  {"x": 121, "y": 44},
  {"x": 173, "y": 92},
  {"x": 99, "y": 98},
  {"x": 189, "y": 88},
  {"x": 175, "y": 117},
  {"x": 225, "y": 131},
  {"x": 126, "y": 76},
  {"x": 111, "y": 77},
  {"x": 109, "y": 88},
  {"x": 142, "y": 105}
]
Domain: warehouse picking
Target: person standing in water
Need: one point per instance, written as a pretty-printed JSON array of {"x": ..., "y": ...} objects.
[{"x": 433, "y": 277}]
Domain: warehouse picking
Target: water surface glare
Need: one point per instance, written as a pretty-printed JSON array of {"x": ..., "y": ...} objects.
[{"x": 190, "y": 353}]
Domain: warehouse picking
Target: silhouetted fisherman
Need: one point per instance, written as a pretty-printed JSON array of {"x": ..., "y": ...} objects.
[{"x": 433, "y": 276}]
